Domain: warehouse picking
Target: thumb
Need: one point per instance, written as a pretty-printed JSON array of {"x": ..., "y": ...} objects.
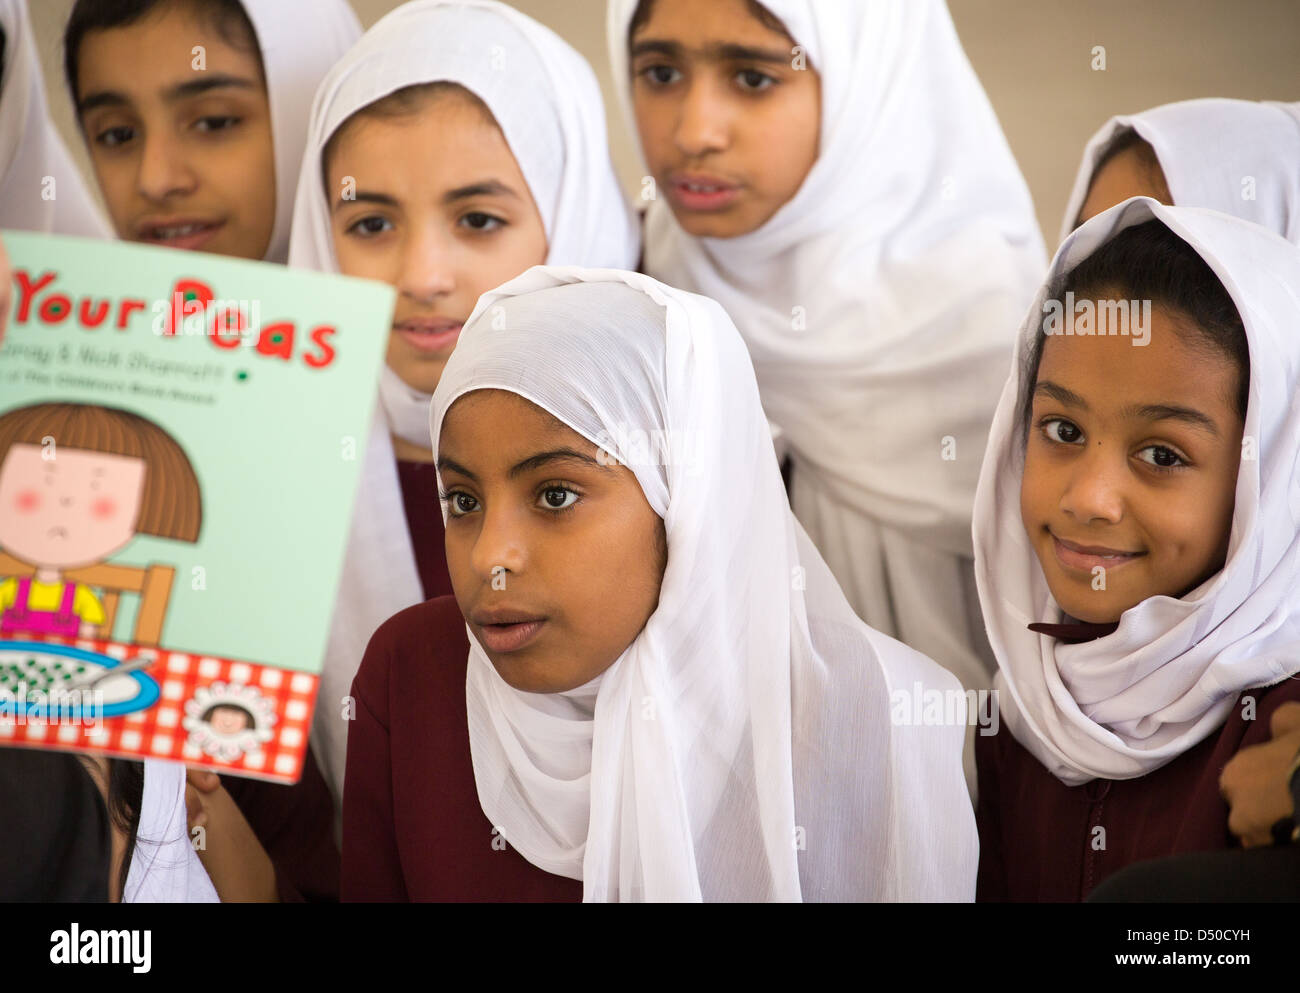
[
  {"x": 202, "y": 779},
  {"x": 1285, "y": 720}
]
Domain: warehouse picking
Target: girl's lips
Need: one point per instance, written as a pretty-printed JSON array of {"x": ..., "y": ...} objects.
[
  {"x": 1089, "y": 557},
  {"x": 429, "y": 337},
  {"x": 702, "y": 193},
  {"x": 510, "y": 637},
  {"x": 184, "y": 234}
]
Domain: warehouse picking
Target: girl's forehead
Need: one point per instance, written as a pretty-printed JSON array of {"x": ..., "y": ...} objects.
[
  {"x": 167, "y": 49},
  {"x": 412, "y": 149},
  {"x": 54, "y": 457}
]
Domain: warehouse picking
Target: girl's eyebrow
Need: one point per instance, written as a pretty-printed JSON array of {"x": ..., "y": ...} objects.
[
  {"x": 173, "y": 94},
  {"x": 489, "y": 187},
  {"x": 365, "y": 196},
  {"x": 1172, "y": 412},
  {"x": 1146, "y": 411},
  {"x": 1060, "y": 394},
  {"x": 532, "y": 462},
  {"x": 715, "y": 52},
  {"x": 486, "y": 188}
]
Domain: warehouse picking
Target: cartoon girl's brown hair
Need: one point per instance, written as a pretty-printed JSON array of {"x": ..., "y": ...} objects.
[{"x": 171, "y": 505}]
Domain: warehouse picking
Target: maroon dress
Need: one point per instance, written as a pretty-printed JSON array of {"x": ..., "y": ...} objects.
[
  {"x": 412, "y": 825},
  {"x": 1043, "y": 841}
]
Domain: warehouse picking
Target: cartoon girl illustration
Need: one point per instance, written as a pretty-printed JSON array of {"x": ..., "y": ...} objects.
[
  {"x": 77, "y": 483},
  {"x": 227, "y": 720}
]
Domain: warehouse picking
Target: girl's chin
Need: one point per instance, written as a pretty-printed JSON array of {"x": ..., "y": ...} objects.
[{"x": 1088, "y": 606}]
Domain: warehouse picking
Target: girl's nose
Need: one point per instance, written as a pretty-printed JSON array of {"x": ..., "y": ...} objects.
[
  {"x": 163, "y": 171},
  {"x": 499, "y": 549},
  {"x": 702, "y": 125},
  {"x": 427, "y": 267},
  {"x": 1095, "y": 489}
]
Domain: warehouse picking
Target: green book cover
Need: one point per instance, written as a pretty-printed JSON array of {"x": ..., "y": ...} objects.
[{"x": 181, "y": 438}]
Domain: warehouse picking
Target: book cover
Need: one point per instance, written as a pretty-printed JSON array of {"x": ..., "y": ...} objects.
[{"x": 181, "y": 437}]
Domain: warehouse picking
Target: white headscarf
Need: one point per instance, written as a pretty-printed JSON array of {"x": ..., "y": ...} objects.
[
  {"x": 546, "y": 100},
  {"x": 1207, "y": 150},
  {"x": 878, "y": 306},
  {"x": 164, "y": 866},
  {"x": 742, "y": 747},
  {"x": 299, "y": 43},
  {"x": 1127, "y": 703},
  {"x": 32, "y": 151}
]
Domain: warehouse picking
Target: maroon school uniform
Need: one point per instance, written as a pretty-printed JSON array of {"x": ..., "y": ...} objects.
[
  {"x": 412, "y": 825},
  {"x": 1041, "y": 840}
]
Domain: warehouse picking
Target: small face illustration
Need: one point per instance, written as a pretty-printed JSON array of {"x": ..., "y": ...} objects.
[
  {"x": 74, "y": 509},
  {"x": 229, "y": 720}
]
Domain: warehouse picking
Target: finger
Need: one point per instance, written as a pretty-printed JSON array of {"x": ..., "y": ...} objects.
[
  {"x": 1285, "y": 719},
  {"x": 202, "y": 779},
  {"x": 193, "y": 803}
]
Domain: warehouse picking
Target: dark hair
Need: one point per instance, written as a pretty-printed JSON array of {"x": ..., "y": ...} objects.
[
  {"x": 760, "y": 13},
  {"x": 1128, "y": 140},
  {"x": 125, "y": 799},
  {"x": 1150, "y": 262},
  {"x": 228, "y": 17}
]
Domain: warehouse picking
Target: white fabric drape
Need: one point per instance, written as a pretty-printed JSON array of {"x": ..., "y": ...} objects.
[
  {"x": 32, "y": 152},
  {"x": 164, "y": 866},
  {"x": 547, "y": 102},
  {"x": 742, "y": 747},
  {"x": 879, "y": 306},
  {"x": 299, "y": 42},
  {"x": 1127, "y": 703},
  {"x": 1236, "y": 156}
]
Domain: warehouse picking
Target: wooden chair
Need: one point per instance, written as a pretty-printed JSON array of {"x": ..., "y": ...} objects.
[{"x": 153, "y": 584}]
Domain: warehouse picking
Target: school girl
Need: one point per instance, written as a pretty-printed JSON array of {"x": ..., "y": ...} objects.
[
  {"x": 1137, "y": 547},
  {"x": 1235, "y": 156},
  {"x": 40, "y": 187},
  {"x": 648, "y": 685},
  {"x": 833, "y": 175},
  {"x": 458, "y": 144},
  {"x": 195, "y": 113}
]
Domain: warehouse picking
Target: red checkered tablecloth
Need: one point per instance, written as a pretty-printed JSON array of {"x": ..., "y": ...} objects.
[{"x": 158, "y": 732}]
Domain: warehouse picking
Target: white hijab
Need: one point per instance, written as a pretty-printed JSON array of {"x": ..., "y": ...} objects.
[
  {"x": 32, "y": 152},
  {"x": 299, "y": 43},
  {"x": 1127, "y": 703},
  {"x": 878, "y": 305},
  {"x": 547, "y": 102},
  {"x": 742, "y": 747},
  {"x": 1207, "y": 150},
  {"x": 164, "y": 866}
]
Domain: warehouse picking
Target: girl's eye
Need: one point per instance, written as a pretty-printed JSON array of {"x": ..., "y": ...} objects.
[
  {"x": 557, "y": 498},
  {"x": 1161, "y": 457},
  {"x": 369, "y": 226},
  {"x": 479, "y": 221},
  {"x": 112, "y": 137},
  {"x": 1062, "y": 431},
  {"x": 660, "y": 75},
  {"x": 754, "y": 81},
  {"x": 459, "y": 504},
  {"x": 217, "y": 123}
]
